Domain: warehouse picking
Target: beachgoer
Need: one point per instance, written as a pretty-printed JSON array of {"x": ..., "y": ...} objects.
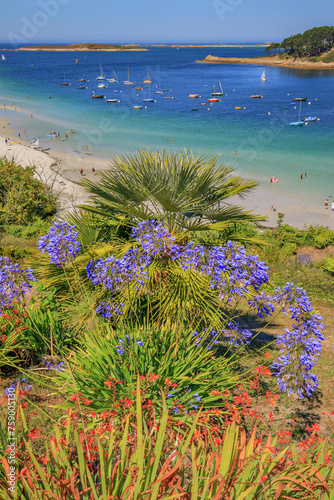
[
  {"x": 71, "y": 131},
  {"x": 271, "y": 208},
  {"x": 25, "y": 134},
  {"x": 234, "y": 152},
  {"x": 86, "y": 149},
  {"x": 19, "y": 135},
  {"x": 301, "y": 176},
  {"x": 81, "y": 171},
  {"x": 326, "y": 204},
  {"x": 305, "y": 175},
  {"x": 50, "y": 133},
  {"x": 30, "y": 115},
  {"x": 65, "y": 135},
  {"x": 271, "y": 180},
  {"x": 5, "y": 141},
  {"x": 274, "y": 209},
  {"x": 333, "y": 205},
  {"x": 93, "y": 170}
]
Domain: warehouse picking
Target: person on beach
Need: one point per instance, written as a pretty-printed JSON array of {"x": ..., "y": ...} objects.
[
  {"x": 30, "y": 115},
  {"x": 305, "y": 175},
  {"x": 19, "y": 135},
  {"x": 301, "y": 176},
  {"x": 326, "y": 204},
  {"x": 87, "y": 149},
  {"x": 81, "y": 171},
  {"x": 234, "y": 152},
  {"x": 333, "y": 205},
  {"x": 65, "y": 135},
  {"x": 5, "y": 141},
  {"x": 25, "y": 134}
]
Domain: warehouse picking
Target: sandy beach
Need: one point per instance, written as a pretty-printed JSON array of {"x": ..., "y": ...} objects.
[
  {"x": 61, "y": 170},
  {"x": 269, "y": 61}
]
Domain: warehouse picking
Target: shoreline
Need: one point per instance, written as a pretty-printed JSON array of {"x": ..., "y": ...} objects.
[
  {"x": 60, "y": 169},
  {"x": 265, "y": 61}
]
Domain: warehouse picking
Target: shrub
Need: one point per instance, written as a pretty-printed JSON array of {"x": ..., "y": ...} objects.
[
  {"x": 328, "y": 265},
  {"x": 324, "y": 238},
  {"x": 329, "y": 57}
]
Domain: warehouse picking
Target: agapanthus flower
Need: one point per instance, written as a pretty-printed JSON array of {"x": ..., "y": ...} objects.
[
  {"x": 14, "y": 282},
  {"x": 24, "y": 387},
  {"x": 59, "y": 366},
  {"x": 61, "y": 243}
]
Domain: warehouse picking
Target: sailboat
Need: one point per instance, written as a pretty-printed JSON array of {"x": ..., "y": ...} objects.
[
  {"x": 114, "y": 78},
  {"x": 3, "y": 57},
  {"x": 64, "y": 83},
  {"x": 102, "y": 76},
  {"x": 263, "y": 77},
  {"x": 220, "y": 87},
  {"x": 299, "y": 122},
  {"x": 35, "y": 143},
  {"x": 149, "y": 96},
  {"x": 159, "y": 91},
  {"x": 128, "y": 81},
  {"x": 148, "y": 80}
]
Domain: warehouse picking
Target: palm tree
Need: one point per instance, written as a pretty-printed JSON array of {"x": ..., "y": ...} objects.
[{"x": 185, "y": 192}]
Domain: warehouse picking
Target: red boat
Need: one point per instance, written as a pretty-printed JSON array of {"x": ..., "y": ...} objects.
[{"x": 213, "y": 100}]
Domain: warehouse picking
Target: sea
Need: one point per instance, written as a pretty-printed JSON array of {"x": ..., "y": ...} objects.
[{"x": 256, "y": 140}]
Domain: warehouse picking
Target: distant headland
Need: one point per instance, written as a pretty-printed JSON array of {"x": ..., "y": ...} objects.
[
  {"x": 311, "y": 50},
  {"x": 85, "y": 47}
]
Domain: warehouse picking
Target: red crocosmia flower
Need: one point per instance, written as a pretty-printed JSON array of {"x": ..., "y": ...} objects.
[
  {"x": 264, "y": 478},
  {"x": 24, "y": 405},
  {"x": 73, "y": 397},
  {"x": 267, "y": 356},
  {"x": 33, "y": 414},
  {"x": 167, "y": 381},
  {"x": 215, "y": 393},
  {"x": 109, "y": 383},
  {"x": 34, "y": 433},
  {"x": 45, "y": 460},
  {"x": 87, "y": 402}
]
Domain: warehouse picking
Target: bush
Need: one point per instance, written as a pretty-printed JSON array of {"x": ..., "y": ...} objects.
[
  {"x": 324, "y": 238},
  {"x": 23, "y": 199},
  {"x": 328, "y": 265},
  {"x": 329, "y": 57}
]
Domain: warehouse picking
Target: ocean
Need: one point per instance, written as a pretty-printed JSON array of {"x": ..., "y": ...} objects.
[{"x": 259, "y": 133}]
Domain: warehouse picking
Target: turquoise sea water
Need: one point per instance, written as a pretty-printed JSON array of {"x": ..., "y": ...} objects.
[{"x": 264, "y": 142}]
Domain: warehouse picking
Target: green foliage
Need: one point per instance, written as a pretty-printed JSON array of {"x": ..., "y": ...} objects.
[
  {"x": 167, "y": 356},
  {"x": 329, "y": 57},
  {"x": 324, "y": 238},
  {"x": 23, "y": 199},
  {"x": 185, "y": 192},
  {"x": 312, "y": 42},
  {"x": 328, "y": 265}
]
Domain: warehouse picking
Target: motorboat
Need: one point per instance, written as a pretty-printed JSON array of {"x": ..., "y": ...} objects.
[
  {"x": 193, "y": 95},
  {"x": 255, "y": 96}
]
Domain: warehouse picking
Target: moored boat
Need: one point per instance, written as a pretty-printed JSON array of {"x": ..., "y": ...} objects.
[
  {"x": 102, "y": 76},
  {"x": 263, "y": 76},
  {"x": 193, "y": 95},
  {"x": 256, "y": 96},
  {"x": 128, "y": 81},
  {"x": 98, "y": 96},
  {"x": 299, "y": 99},
  {"x": 220, "y": 91},
  {"x": 148, "y": 79},
  {"x": 213, "y": 100}
]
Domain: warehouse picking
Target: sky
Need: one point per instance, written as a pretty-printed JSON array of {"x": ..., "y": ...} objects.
[{"x": 151, "y": 21}]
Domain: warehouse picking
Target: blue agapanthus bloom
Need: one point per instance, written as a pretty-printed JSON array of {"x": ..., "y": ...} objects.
[
  {"x": 12, "y": 386},
  {"x": 61, "y": 243},
  {"x": 14, "y": 282},
  {"x": 59, "y": 367}
]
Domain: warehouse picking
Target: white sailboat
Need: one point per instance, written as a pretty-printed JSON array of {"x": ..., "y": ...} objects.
[
  {"x": 159, "y": 91},
  {"x": 35, "y": 143},
  {"x": 149, "y": 96},
  {"x": 128, "y": 81},
  {"x": 114, "y": 78},
  {"x": 102, "y": 76},
  {"x": 220, "y": 92},
  {"x": 3, "y": 57},
  {"x": 299, "y": 121},
  {"x": 263, "y": 77}
]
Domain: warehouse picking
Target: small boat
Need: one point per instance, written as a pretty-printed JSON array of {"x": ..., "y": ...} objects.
[
  {"x": 35, "y": 143},
  {"x": 263, "y": 76},
  {"x": 310, "y": 119},
  {"x": 98, "y": 96},
  {"x": 167, "y": 97},
  {"x": 64, "y": 83},
  {"x": 137, "y": 107},
  {"x": 296, "y": 124},
  {"x": 220, "y": 92},
  {"x": 81, "y": 80},
  {"x": 237, "y": 107},
  {"x": 3, "y": 57},
  {"x": 76, "y": 61},
  {"x": 255, "y": 96},
  {"x": 149, "y": 96},
  {"x": 138, "y": 88},
  {"x": 194, "y": 109},
  {"x": 114, "y": 78},
  {"x": 111, "y": 100},
  {"x": 203, "y": 103},
  {"x": 285, "y": 107},
  {"x": 213, "y": 100},
  {"x": 159, "y": 91},
  {"x": 102, "y": 86},
  {"x": 128, "y": 81},
  {"x": 81, "y": 87},
  {"x": 148, "y": 79},
  {"x": 273, "y": 179},
  {"x": 193, "y": 95},
  {"x": 102, "y": 76},
  {"x": 299, "y": 99}
]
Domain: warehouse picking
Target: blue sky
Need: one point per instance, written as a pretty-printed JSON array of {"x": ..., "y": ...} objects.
[{"x": 141, "y": 21}]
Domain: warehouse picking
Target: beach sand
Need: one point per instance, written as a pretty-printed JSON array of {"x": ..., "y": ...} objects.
[
  {"x": 269, "y": 61},
  {"x": 61, "y": 170}
]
